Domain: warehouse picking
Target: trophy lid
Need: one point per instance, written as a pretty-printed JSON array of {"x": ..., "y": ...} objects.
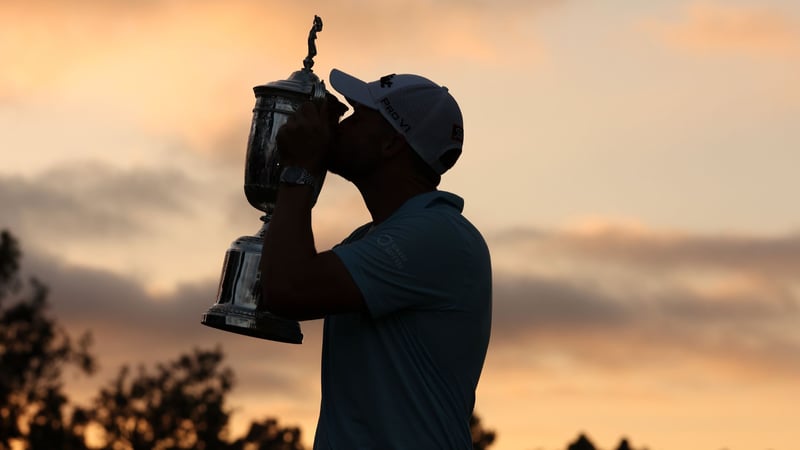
[{"x": 303, "y": 81}]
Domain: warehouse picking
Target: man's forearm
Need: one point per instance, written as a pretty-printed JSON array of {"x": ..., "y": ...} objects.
[{"x": 288, "y": 244}]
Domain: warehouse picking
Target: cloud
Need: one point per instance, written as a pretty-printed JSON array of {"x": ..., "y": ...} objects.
[
  {"x": 599, "y": 317},
  {"x": 73, "y": 217},
  {"x": 131, "y": 326},
  {"x": 605, "y": 323},
  {"x": 89, "y": 200},
  {"x": 533, "y": 304},
  {"x": 717, "y": 28},
  {"x": 129, "y": 220},
  {"x": 597, "y": 330},
  {"x": 640, "y": 247},
  {"x": 612, "y": 295},
  {"x": 163, "y": 223}
]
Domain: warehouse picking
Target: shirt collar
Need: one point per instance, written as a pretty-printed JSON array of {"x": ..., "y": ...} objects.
[{"x": 432, "y": 198}]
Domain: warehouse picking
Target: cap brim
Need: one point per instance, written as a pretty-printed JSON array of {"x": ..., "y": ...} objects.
[{"x": 353, "y": 89}]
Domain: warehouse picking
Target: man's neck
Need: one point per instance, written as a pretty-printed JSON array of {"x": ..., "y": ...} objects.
[{"x": 384, "y": 195}]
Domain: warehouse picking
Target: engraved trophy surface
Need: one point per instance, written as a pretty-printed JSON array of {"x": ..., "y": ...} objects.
[{"x": 236, "y": 308}]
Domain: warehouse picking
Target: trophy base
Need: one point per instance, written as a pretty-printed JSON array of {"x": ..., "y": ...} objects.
[{"x": 258, "y": 324}]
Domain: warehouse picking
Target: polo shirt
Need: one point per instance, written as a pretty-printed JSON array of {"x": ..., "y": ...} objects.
[{"x": 403, "y": 374}]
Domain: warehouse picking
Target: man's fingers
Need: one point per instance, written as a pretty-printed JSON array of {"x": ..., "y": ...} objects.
[
  {"x": 334, "y": 105},
  {"x": 319, "y": 111},
  {"x": 308, "y": 114},
  {"x": 323, "y": 111}
]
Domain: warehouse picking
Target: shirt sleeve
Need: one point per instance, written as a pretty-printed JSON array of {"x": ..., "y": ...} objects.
[{"x": 414, "y": 262}]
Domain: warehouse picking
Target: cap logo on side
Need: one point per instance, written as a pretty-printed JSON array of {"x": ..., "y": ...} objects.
[
  {"x": 386, "y": 80},
  {"x": 458, "y": 133},
  {"x": 391, "y": 112}
]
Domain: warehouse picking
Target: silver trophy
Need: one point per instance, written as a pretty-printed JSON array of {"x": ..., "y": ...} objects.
[{"x": 236, "y": 308}]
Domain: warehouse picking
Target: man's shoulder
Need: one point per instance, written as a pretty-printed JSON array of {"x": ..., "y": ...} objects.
[
  {"x": 430, "y": 224},
  {"x": 357, "y": 234},
  {"x": 434, "y": 218}
]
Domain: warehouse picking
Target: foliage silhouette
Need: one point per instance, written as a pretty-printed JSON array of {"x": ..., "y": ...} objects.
[
  {"x": 181, "y": 405},
  {"x": 34, "y": 351},
  {"x": 624, "y": 445},
  {"x": 481, "y": 438},
  {"x": 267, "y": 435},
  {"x": 582, "y": 443}
]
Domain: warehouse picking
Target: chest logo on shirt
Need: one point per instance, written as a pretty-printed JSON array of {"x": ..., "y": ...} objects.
[{"x": 393, "y": 251}]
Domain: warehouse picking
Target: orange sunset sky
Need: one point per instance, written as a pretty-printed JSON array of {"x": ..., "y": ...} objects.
[{"x": 632, "y": 165}]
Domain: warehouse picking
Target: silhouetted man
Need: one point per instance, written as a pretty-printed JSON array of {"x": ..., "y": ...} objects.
[{"x": 407, "y": 297}]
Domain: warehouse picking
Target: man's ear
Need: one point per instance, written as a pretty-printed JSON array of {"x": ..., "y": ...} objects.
[{"x": 397, "y": 143}]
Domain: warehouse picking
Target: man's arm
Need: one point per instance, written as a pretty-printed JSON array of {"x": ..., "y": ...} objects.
[{"x": 297, "y": 282}]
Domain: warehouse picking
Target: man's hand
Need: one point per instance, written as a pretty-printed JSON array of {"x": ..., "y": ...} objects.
[{"x": 309, "y": 134}]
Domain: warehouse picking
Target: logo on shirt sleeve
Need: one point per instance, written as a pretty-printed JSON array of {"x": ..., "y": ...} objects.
[{"x": 392, "y": 250}]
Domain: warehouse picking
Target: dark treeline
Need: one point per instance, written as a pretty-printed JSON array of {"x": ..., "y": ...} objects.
[
  {"x": 179, "y": 404},
  {"x": 583, "y": 443}
]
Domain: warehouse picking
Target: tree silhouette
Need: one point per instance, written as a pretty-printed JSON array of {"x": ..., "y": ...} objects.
[
  {"x": 481, "y": 437},
  {"x": 34, "y": 351},
  {"x": 624, "y": 445},
  {"x": 179, "y": 406},
  {"x": 267, "y": 435},
  {"x": 582, "y": 443}
]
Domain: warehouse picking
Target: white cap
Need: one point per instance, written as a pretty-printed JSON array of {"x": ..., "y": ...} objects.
[{"x": 422, "y": 111}]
